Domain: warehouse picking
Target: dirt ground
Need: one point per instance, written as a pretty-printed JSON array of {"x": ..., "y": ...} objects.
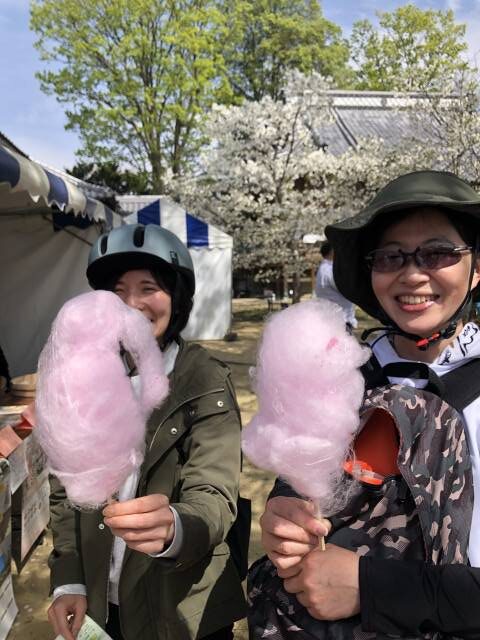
[{"x": 31, "y": 586}]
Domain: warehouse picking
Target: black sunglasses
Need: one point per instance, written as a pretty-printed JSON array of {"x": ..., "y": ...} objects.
[{"x": 433, "y": 257}]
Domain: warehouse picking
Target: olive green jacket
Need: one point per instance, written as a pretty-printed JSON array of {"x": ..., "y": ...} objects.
[{"x": 193, "y": 457}]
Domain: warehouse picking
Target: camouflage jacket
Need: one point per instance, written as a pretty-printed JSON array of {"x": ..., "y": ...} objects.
[{"x": 424, "y": 513}]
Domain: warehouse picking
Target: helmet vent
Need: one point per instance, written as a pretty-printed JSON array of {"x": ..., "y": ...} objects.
[
  {"x": 174, "y": 257},
  {"x": 139, "y": 236},
  {"x": 103, "y": 244}
]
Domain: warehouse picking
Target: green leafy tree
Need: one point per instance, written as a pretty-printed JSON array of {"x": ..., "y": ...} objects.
[
  {"x": 267, "y": 38},
  {"x": 412, "y": 49},
  {"x": 137, "y": 75},
  {"x": 109, "y": 174}
]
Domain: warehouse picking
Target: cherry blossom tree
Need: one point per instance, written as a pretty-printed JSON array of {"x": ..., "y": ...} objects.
[
  {"x": 449, "y": 118},
  {"x": 267, "y": 179}
]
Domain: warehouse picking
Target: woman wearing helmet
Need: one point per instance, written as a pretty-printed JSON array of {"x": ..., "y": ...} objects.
[
  {"x": 410, "y": 259},
  {"x": 156, "y": 565}
]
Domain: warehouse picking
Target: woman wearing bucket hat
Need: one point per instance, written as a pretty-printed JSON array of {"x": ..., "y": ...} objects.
[
  {"x": 409, "y": 259},
  {"x": 156, "y": 564}
]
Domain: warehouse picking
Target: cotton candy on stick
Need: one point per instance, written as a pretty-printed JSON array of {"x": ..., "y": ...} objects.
[
  {"x": 309, "y": 392},
  {"x": 90, "y": 422}
]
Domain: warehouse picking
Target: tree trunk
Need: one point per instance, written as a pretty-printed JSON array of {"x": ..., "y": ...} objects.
[
  {"x": 157, "y": 179},
  {"x": 176, "y": 153},
  {"x": 297, "y": 283},
  {"x": 285, "y": 283}
]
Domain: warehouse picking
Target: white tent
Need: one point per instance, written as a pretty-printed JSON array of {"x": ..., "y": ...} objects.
[
  {"x": 211, "y": 251},
  {"x": 47, "y": 225}
]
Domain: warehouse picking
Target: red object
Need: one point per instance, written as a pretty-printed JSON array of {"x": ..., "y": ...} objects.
[
  {"x": 424, "y": 342},
  {"x": 376, "y": 449},
  {"x": 363, "y": 472},
  {"x": 9, "y": 441},
  {"x": 23, "y": 429}
]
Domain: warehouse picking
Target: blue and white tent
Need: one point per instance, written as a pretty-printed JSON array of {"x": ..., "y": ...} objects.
[
  {"x": 47, "y": 225},
  {"x": 211, "y": 251}
]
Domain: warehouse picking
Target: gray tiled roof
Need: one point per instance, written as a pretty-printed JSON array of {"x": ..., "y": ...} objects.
[{"x": 365, "y": 114}]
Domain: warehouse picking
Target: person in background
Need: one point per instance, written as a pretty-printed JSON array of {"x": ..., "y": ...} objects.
[
  {"x": 4, "y": 371},
  {"x": 154, "y": 565},
  {"x": 326, "y": 289}
]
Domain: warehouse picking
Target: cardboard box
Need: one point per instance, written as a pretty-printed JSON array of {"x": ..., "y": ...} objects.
[
  {"x": 14, "y": 448},
  {"x": 11, "y": 413},
  {"x": 30, "y": 505},
  {"x": 8, "y": 606}
]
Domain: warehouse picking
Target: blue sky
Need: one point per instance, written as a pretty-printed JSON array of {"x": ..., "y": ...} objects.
[{"x": 35, "y": 122}]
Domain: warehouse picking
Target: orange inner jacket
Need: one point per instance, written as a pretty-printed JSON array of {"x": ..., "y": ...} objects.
[{"x": 377, "y": 444}]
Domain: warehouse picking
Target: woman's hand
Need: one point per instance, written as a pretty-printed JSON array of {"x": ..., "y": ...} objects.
[
  {"x": 66, "y": 615},
  {"x": 290, "y": 530},
  {"x": 146, "y": 524},
  {"x": 326, "y": 583}
]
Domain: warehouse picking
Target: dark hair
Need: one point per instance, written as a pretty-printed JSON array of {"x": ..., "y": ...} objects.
[
  {"x": 463, "y": 223},
  {"x": 175, "y": 284},
  {"x": 326, "y": 249}
]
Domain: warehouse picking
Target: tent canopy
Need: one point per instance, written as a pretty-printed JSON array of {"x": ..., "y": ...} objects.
[
  {"x": 47, "y": 225},
  {"x": 161, "y": 210}
]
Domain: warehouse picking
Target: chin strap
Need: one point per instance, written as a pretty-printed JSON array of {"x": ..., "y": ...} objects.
[{"x": 421, "y": 343}]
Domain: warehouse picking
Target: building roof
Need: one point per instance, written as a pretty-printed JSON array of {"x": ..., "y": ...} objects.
[{"x": 364, "y": 114}]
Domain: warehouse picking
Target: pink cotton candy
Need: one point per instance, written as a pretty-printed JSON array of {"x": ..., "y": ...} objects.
[
  {"x": 90, "y": 422},
  {"x": 309, "y": 391}
]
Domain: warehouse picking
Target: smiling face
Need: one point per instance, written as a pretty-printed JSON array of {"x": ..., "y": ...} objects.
[
  {"x": 420, "y": 300},
  {"x": 139, "y": 289}
]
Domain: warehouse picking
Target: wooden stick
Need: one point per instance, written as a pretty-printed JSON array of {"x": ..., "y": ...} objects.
[{"x": 321, "y": 539}]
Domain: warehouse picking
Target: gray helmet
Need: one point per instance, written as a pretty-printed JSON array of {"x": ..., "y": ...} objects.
[
  {"x": 138, "y": 247},
  {"x": 349, "y": 237}
]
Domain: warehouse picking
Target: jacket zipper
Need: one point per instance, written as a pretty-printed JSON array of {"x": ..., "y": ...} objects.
[
  {"x": 108, "y": 579},
  {"x": 177, "y": 407},
  {"x": 408, "y": 477}
]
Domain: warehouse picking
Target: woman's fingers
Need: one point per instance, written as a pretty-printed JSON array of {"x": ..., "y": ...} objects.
[
  {"x": 287, "y": 547},
  {"x": 144, "y": 504},
  {"x": 284, "y": 516},
  {"x": 66, "y": 615},
  {"x": 284, "y": 562},
  {"x": 140, "y": 535}
]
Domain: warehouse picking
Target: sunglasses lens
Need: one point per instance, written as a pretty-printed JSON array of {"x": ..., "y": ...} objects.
[
  {"x": 437, "y": 257},
  {"x": 385, "y": 261}
]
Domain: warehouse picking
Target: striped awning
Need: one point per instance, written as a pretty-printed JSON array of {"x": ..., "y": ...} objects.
[{"x": 26, "y": 186}]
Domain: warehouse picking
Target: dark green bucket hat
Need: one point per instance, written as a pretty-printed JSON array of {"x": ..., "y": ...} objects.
[{"x": 438, "y": 189}]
